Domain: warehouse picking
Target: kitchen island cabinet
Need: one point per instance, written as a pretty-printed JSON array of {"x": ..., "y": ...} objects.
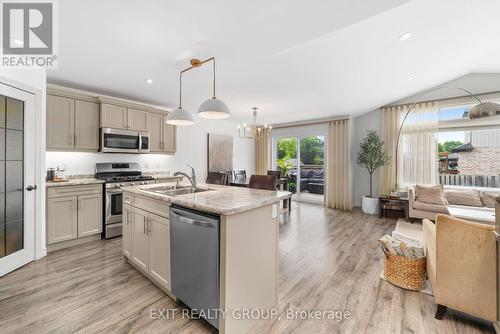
[{"x": 248, "y": 243}]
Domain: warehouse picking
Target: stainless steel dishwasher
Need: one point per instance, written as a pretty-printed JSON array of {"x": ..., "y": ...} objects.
[{"x": 194, "y": 240}]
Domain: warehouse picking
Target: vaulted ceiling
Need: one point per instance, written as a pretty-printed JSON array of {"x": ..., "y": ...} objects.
[{"x": 293, "y": 59}]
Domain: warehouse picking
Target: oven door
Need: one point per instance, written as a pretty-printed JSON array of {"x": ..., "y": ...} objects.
[
  {"x": 113, "y": 217},
  {"x": 120, "y": 141}
]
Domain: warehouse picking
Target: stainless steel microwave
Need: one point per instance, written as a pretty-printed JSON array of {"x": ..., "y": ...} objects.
[{"x": 124, "y": 141}]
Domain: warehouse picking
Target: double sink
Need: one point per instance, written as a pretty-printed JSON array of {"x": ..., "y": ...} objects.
[{"x": 175, "y": 190}]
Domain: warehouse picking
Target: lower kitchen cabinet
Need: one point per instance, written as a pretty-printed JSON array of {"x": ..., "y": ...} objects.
[
  {"x": 159, "y": 248},
  {"x": 140, "y": 249},
  {"x": 127, "y": 230},
  {"x": 73, "y": 212},
  {"x": 62, "y": 220},
  {"x": 146, "y": 243},
  {"x": 89, "y": 215}
]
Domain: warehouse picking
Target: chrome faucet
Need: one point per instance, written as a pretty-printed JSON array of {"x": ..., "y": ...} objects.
[{"x": 191, "y": 178}]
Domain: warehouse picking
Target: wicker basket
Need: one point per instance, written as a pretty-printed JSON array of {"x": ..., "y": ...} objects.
[{"x": 404, "y": 272}]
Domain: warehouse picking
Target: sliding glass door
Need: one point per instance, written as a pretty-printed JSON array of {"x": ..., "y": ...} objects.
[{"x": 302, "y": 158}]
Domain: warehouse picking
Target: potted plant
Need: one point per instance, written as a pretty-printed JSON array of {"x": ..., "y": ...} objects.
[
  {"x": 372, "y": 156},
  {"x": 285, "y": 166}
]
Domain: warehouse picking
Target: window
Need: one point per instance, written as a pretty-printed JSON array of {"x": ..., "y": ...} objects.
[{"x": 468, "y": 150}]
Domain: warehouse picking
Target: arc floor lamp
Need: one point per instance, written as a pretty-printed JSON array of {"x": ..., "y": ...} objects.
[{"x": 482, "y": 109}]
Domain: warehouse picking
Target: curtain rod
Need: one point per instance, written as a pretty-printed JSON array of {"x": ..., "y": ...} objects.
[
  {"x": 438, "y": 100},
  {"x": 311, "y": 122}
]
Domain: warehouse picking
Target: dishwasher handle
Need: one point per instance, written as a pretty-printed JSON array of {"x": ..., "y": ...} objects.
[{"x": 191, "y": 221}]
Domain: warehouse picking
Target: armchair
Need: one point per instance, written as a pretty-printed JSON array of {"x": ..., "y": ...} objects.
[{"x": 462, "y": 266}]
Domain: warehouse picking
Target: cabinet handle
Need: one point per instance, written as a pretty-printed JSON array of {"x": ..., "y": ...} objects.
[
  {"x": 75, "y": 140},
  {"x": 144, "y": 225},
  {"x": 149, "y": 226}
]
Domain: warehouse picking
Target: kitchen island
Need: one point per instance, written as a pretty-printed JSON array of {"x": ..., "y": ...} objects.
[{"x": 247, "y": 242}]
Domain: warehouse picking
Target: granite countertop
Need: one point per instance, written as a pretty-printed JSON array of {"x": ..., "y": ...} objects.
[
  {"x": 74, "y": 182},
  {"x": 223, "y": 200}
]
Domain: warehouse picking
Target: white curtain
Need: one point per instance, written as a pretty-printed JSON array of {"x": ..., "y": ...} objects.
[
  {"x": 391, "y": 120},
  {"x": 418, "y": 162},
  {"x": 262, "y": 152},
  {"x": 338, "y": 166}
]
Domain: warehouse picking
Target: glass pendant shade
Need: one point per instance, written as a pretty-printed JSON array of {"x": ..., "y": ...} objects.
[
  {"x": 213, "y": 108},
  {"x": 180, "y": 116}
]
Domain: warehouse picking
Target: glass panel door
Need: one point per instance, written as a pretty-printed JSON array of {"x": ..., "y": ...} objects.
[
  {"x": 17, "y": 178},
  {"x": 305, "y": 166},
  {"x": 11, "y": 175},
  {"x": 312, "y": 167},
  {"x": 286, "y": 160}
]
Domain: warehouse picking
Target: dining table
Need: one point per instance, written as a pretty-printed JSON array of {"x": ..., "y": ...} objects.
[{"x": 281, "y": 184}]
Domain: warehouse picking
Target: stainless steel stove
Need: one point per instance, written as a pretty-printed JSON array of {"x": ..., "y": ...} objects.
[{"x": 117, "y": 175}]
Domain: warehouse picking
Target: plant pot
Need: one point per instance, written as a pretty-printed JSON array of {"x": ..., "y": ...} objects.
[{"x": 370, "y": 205}]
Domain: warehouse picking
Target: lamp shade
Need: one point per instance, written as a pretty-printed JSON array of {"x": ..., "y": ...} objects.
[
  {"x": 180, "y": 116},
  {"x": 213, "y": 108}
]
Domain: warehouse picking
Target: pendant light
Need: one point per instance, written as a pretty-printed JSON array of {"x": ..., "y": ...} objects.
[
  {"x": 213, "y": 108},
  {"x": 180, "y": 116}
]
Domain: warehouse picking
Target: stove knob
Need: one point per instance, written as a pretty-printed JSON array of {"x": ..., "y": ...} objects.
[
  {"x": 122, "y": 184},
  {"x": 132, "y": 183},
  {"x": 117, "y": 185}
]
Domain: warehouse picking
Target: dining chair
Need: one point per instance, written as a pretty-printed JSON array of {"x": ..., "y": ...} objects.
[
  {"x": 277, "y": 173},
  {"x": 216, "y": 178},
  {"x": 265, "y": 182},
  {"x": 239, "y": 174}
]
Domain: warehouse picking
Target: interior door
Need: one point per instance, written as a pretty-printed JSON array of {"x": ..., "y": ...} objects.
[{"x": 17, "y": 177}]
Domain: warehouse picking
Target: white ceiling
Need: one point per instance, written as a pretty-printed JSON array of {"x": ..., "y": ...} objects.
[{"x": 293, "y": 59}]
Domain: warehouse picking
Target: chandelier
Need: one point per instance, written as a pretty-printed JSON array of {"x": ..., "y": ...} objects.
[{"x": 254, "y": 130}]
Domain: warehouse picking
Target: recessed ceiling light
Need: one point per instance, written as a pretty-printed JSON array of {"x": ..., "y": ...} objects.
[
  {"x": 405, "y": 36},
  {"x": 149, "y": 81},
  {"x": 410, "y": 78}
]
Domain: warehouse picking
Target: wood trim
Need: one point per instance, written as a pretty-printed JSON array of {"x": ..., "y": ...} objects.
[
  {"x": 124, "y": 103},
  {"x": 61, "y": 92},
  {"x": 311, "y": 122}
]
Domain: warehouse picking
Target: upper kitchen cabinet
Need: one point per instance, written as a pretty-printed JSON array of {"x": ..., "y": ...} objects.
[
  {"x": 138, "y": 120},
  {"x": 86, "y": 125},
  {"x": 60, "y": 122},
  {"x": 162, "y": 136},
  {"x": 72, "y": 122},
  {"x": 121, "y": 114},
  {"x": 114, "y": 116}
]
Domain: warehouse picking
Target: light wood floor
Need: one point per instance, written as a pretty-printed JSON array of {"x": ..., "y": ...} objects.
[{"x": 329, "y": 260}]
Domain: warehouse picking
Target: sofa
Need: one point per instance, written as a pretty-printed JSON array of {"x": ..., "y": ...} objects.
[
  {"x": 473, "y": 199},
  {"x": 311, "y": 180},
  {"x": 462, "y": 266}
]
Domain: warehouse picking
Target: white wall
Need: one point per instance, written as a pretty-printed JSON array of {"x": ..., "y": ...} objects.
[
  {"x": 361, "y": 183},
  {"x": 34, "y": 80},
  {"x": 191, "y": 149}
]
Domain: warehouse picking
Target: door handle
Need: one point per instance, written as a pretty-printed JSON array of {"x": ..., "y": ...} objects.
[{"x": 31, "y": 188}]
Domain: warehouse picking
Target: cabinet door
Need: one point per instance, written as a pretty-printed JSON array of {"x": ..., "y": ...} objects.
[
  {"x": 86, "y": 125},
  {"x": 159, "y": 249},
  {"x": 127, "y": 230},
  {"x": 89, "y": 215},
  {"x": 169, "y": 137},
  {"x": 140, "y": 239},
  {"x": 138, "y": 120},
  {"x": 114, "y": 116},
  {"x": 155, "y": 135},
  {"x": 60, "y": 122},
  {"x": 61, "y": 219}
]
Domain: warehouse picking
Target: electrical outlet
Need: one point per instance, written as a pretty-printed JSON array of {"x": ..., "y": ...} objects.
[
  {"x": 146, "y": 165},
  {"x": 157, "y": 166}
]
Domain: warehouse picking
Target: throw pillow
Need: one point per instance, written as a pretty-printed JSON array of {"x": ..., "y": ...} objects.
[
  {"x": 488, "y": 198},
  {"x": 431, "y": 194},
  {"x": 463, "y": 197}
]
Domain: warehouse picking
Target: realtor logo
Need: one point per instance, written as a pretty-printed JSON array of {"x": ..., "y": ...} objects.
[{"x": 28, "y": 34}]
